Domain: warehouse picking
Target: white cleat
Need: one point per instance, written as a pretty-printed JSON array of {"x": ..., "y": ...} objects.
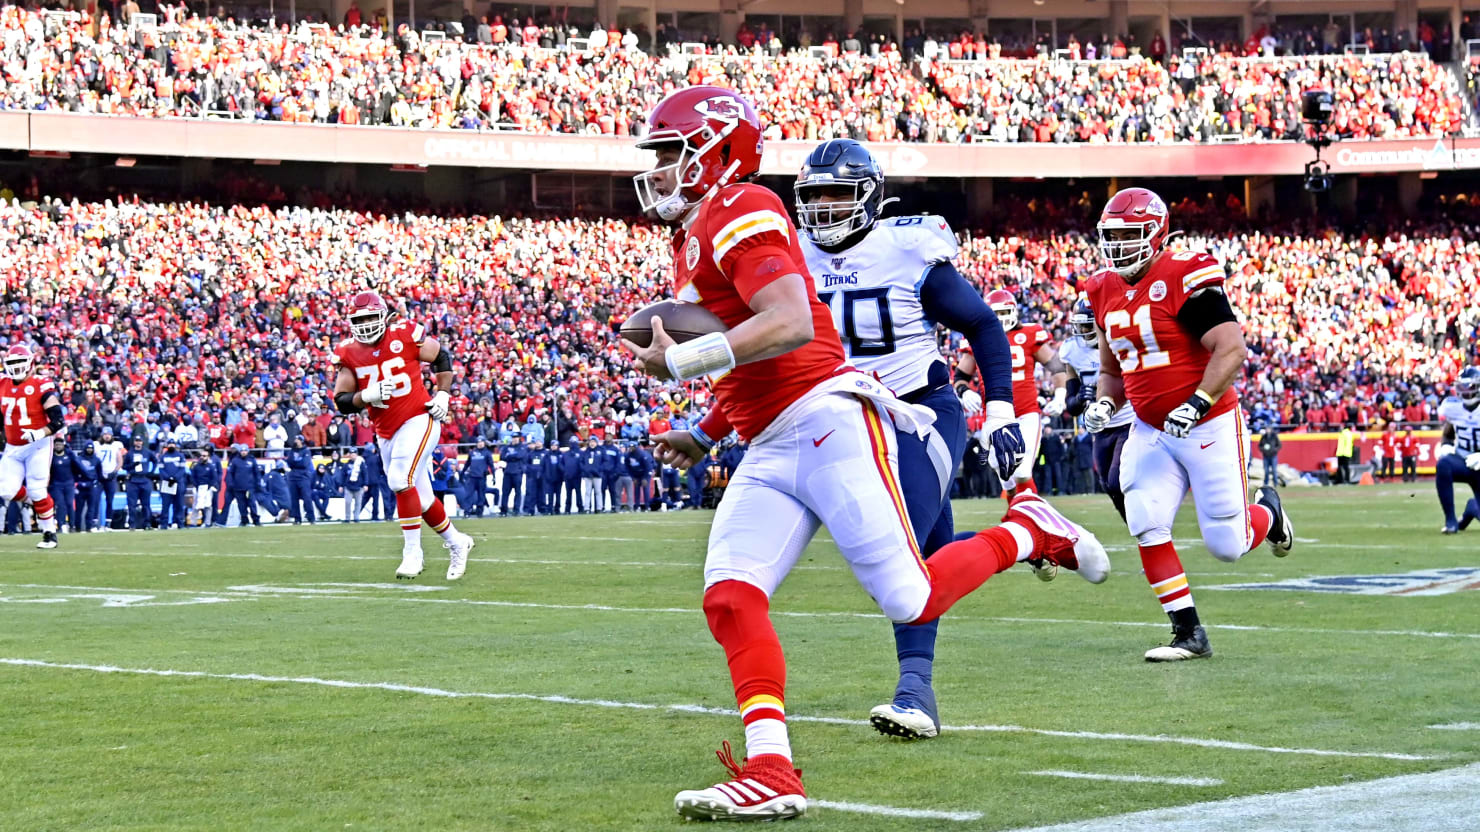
[
  {"x": 48, "y": 541},
  {"x": 907, "y": 723},
  {"x": 411, "y": 563},
  {"x": 457, "y": 555},
  {"x": 1072, "y": 546}
]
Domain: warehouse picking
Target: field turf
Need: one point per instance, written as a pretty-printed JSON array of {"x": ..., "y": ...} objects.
[{"x": 568, "y": 682}]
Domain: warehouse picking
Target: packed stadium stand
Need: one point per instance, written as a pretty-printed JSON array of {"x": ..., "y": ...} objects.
[{"x": 207, "y": 66}]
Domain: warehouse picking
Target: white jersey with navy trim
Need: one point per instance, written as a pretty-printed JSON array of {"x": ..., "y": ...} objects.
[
  {"x": 1086, "y": 363},
  {"x": 1466, "y": 424},
  {"x": 873, "y": 290}
]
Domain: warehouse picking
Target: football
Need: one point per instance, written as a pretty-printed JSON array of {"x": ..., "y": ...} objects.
[{"x": 682, "y": 321}]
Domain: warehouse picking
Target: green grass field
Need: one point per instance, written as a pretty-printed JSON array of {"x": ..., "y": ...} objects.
[{"x": 563, "y": 684}]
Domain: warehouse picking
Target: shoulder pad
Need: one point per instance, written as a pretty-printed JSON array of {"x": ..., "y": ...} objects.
[{"x": 926, "y": 233}]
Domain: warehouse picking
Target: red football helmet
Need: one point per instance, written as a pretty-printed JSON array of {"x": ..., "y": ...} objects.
[
  {"x": 18, "y": 362},
  {"x": 719, "y": 139},
  {"x": 1133, "y": 229},
  {"x": 368, "y": 315},
  {"x": 1005, "y": 305}
]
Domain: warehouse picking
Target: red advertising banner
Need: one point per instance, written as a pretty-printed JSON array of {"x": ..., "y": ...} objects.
[
  {"x": 74, "y": 133},
  {"x": 1309, "y": 451}
]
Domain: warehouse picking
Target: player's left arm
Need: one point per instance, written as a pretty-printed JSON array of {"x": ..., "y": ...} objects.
[
  {"x": 1049, "y": 358},
  {"x": 55, "y": 419},
  {"x": 947, "y": 297},
  {"x": 1208, "y": 315},
  {"x": 432, "y": 352}
]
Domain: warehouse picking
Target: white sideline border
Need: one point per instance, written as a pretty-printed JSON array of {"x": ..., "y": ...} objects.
[
  {"x": 1441, "y": 801},
  {"x": 290, "y": 591},
  {"x": 699, "y": 709},
  {"x": 1128, "y": 778}
]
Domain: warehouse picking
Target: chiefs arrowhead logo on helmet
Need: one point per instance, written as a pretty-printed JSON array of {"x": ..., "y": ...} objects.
[{"x": 722, "y": 107}]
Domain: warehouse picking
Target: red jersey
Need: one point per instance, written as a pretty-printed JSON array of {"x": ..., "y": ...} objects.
[
  {"x": 1161, "y": 362},
  {"x": 20, "y": 403},
  {"x": 739, "y": 220},
  {"x": 396, "y": 358},
  {"x": 1024, "y": 343}
]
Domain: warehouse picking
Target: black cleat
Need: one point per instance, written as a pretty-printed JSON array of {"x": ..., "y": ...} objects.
[
  {"x": 1186, "y": 644},
  {"x": 1281, "y": 537},
  {"x": 1472, "y": 513},
  {"x": 48, "y": 541}
]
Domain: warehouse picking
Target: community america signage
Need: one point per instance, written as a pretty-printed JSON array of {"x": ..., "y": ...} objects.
[{"x": 1423, "y": 582}]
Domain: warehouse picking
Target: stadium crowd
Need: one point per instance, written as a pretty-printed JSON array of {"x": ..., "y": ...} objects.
[
  {"x": 161, "y": 312},
  {"x": 207, "y": 65}
]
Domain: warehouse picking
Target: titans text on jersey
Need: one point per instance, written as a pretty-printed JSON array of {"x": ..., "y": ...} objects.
[{"x": 873, "y": 290}]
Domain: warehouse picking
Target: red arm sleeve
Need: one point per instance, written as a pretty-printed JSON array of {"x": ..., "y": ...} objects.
[{"x": 715, "y": 425}]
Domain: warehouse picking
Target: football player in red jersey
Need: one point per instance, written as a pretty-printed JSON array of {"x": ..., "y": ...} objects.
[
  {"x": 33, "y": 414},
  {"x": 822, "y": 437},
  {"x": 1171, "y": 345},
  {"x": 1030, "y": 345},
  {"x": 380, "y": 372}
]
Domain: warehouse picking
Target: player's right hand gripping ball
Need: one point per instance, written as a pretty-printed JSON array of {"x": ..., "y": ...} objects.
[
  {"x": 682, "y": 321},
  {"x": 1097, "y": 415}
]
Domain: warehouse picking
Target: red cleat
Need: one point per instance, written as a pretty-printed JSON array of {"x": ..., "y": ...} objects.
[
  {"x": 1058, "y": 541},
  {"x": 767, "y": 787}
]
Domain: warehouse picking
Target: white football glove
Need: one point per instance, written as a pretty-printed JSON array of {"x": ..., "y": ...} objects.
[
  {"x": 1056, "y": 407},
  {"x": 378, "y": 393},
  {"x": 34, "y": 434},
  {"x": 1097, "y": 415},
  {"x": 1443, "y": 451},
  {"x": 440, "y": 406},
  {"x": 1473, "y": 461},
  {"x": 971, "y": 402}
]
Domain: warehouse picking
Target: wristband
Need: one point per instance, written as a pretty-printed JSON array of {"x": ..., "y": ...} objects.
[
  {"x": 701, "y": 437},
  {"x": 700, "y": 357},
  {"x": 997, "y": 415},
  {"x": 1204, "y": 396}
]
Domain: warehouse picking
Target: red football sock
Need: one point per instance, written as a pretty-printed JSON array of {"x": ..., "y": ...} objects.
[
  {"x": 436, "y": 516},
  {"x": 1164, "y": 573},
  {"x": 1260, "y": 519},
  {"x": 740, "y": 618},
  {"x": 20, "y": 494},
  {"x": 957, "y": 569},
  {"x": 408, "y": 509},
  {"x": 44, "y": 507}
]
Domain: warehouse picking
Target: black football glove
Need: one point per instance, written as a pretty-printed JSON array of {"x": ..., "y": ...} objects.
[{"x": 1186, "y": 415}]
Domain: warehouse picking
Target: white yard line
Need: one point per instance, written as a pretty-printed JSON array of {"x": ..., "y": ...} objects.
[
  {"x": 289, "y": 591},
  {"x": 892, "y": 811},
  {"x": 1129, "y": 778},
  {"x": 1457, "y": 726},
  {"x": 1444, "y": 801},
  {"x": 697, "y": 709}
]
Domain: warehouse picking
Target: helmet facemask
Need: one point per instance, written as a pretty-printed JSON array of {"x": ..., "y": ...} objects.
[
  {"x": 828, "y": 222},
  {"x": 1127, "y": 246},
  {"x": 1008, "y": 315},
  {"x": 1468, "y": 389},
  {"x": 685, "y": 173},
  {"x": 17, "y": 368},
  {"x": 367, "y": 325},
  {"x": 1084, "y": 327}
]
